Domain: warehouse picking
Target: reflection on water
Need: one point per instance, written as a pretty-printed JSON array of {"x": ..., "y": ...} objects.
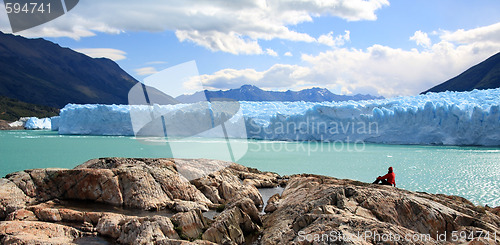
[{"x": 210, "y": 214}]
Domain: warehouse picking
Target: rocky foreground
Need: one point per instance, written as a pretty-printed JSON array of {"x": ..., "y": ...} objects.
[{"x": 146, "y": 201}]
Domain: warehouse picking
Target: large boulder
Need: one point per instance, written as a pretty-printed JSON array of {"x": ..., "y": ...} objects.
[{"x": 148, "y": 184}]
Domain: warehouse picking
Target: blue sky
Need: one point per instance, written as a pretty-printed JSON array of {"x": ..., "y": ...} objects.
[{"x": 388, "y": 48}]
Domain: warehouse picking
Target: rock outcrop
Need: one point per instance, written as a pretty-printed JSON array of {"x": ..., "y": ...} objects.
[
  {"x": 319, "y": 209},
  {"x": 35, "y": 198},
  {"x": 151, "y": 201}
]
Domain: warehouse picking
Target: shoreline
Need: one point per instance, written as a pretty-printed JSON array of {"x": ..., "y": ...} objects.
[{"x": 309, "y": 206}]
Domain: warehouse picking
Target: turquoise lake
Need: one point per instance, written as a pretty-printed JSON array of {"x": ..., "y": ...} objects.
[{"x": 470, "y": 172}]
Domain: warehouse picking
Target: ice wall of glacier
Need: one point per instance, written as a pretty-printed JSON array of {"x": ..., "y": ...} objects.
[
  {"x": 95, "y": 119},
  {"x": 448, "y": 118},
  {"x": 54, "y": 123},
  {"x": 37, "y": 123},
  {"x": 182, "y": 120}
]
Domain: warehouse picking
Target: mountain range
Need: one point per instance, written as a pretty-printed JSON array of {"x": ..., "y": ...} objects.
[
  {"x": 41, "y": 72},
  {"x": 253, "y": 93},
  {"x": 484, "y": 75}
]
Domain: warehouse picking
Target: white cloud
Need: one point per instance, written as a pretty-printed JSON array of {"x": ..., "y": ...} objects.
[
  {"x": 392, "y": 72},
  {"x": 337, "y": 41},
  {"x": 218, "y": 41},
  {"x": 289, "y": 54},
  {"x": 351, "y": 10},
  {"x": 489, "y": 33},
  {"x": 377, "y": 70},
  {"x": 113, "y": 54},
  {"x": 421, "y": 39},
  {"x": 229, "y": 26},
  {"x": 146, "y": 71},
  {"x": 271, "y": 52}
]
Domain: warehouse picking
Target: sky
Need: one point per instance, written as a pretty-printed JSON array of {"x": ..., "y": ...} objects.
[{"x": 380, "y": 47}]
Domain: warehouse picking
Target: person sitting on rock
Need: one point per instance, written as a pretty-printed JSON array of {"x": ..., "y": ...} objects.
[{"x": 388, "y": 179}]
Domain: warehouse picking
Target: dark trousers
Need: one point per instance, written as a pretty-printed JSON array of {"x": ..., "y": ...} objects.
[{"x": 381, "y": 182}]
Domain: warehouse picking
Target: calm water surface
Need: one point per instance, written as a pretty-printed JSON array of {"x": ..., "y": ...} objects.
[{"x": 471, "y": 172}]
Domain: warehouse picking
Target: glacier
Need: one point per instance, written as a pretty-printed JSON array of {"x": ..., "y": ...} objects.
[
  {"x": 447, "y": 118},
  {"x": 54, "y": 123},
  {"x": 19, "y": 123},
  {"x": 94, "y": 119},
  {"x": 36, "y": 123}
]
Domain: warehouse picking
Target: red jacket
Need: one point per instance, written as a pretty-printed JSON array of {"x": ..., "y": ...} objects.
[{"x": 390, "y": 177}]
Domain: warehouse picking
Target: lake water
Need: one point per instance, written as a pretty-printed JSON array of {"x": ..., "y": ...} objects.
[{"x": 470, "y": 172}]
